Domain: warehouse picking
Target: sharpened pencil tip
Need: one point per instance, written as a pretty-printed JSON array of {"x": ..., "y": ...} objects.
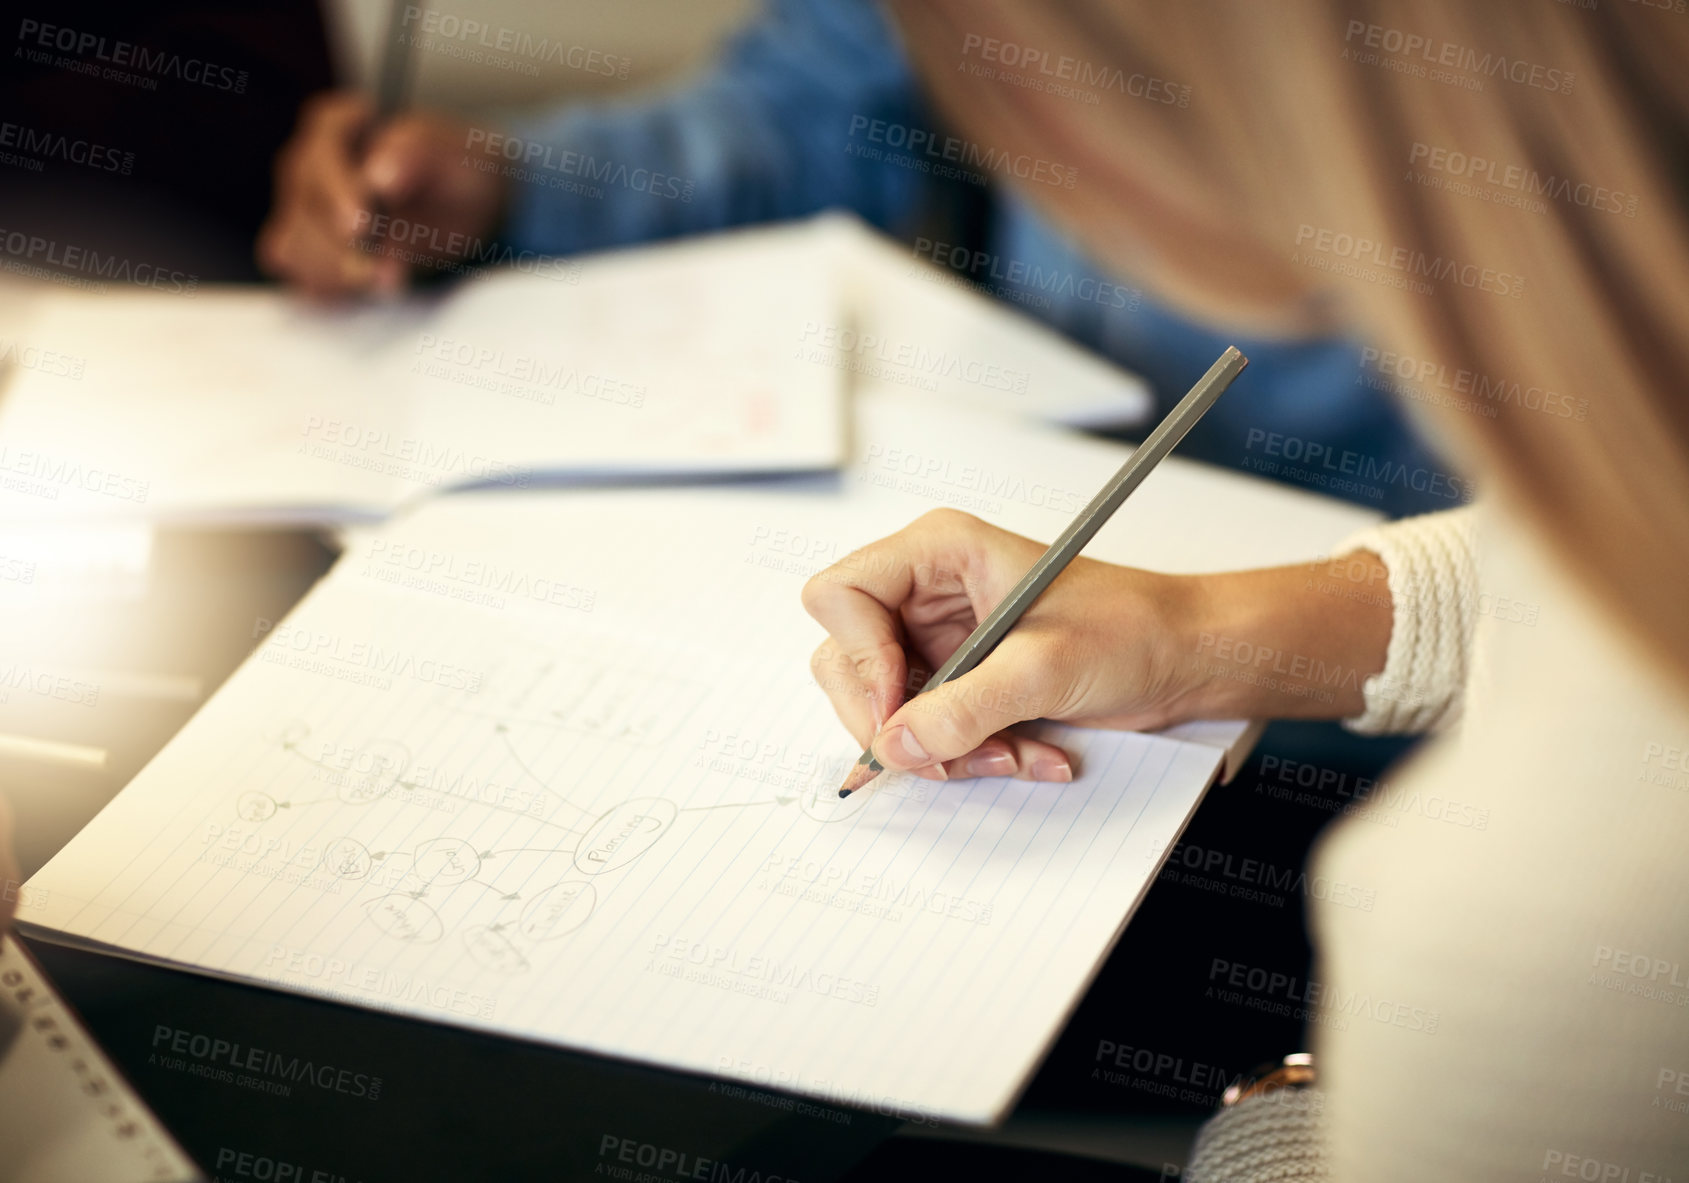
[{"x": 861, "y": 773}]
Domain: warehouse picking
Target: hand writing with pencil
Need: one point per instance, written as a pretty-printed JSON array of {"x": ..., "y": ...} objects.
[
  {"x": 359, "y": 203},
  {"x": 1105, "y": 646}
]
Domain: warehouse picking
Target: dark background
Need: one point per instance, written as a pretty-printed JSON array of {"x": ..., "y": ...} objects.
[{"x": 199, "y": 184}]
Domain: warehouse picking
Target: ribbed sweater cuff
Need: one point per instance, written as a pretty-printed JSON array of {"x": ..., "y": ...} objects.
[
  {"x": 1433, "y": 584},
  {"x": 1278, "y": 1135}
]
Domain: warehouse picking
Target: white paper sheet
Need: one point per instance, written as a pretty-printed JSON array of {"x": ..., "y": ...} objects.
[
  {"x": 922, "y": 328},
  {"x": 553, "y": 765}
]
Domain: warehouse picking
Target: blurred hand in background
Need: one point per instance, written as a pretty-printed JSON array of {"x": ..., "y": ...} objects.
[{"x": 358, "y": 207}]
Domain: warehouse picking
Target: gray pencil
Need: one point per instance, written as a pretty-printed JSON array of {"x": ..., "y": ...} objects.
[
  {"x": 392, "y": 92},
  {"x": 1080, "y": 531},
  {"x": 392, "y": 86}
]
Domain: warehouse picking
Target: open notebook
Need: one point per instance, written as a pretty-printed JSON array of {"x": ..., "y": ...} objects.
[
  {"x": 676, "y": 360},
  {"x": 553, "y": 765},
  {"x": 710, "y": 357}
]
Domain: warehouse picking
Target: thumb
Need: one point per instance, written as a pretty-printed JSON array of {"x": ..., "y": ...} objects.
[{"x": 955, "y": 718}]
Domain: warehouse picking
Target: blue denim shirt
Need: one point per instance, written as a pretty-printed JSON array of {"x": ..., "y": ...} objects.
[{"x": 776, "y": 128}]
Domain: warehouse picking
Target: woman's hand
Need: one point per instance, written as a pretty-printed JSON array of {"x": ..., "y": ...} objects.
[
  {"x": 1101, "y": 647},
  {"x": 1104, "y": 646}
]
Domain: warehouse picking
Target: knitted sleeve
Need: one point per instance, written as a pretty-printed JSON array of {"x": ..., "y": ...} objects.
[
  {"x": 1275, "y": 1137},
  {"x": 1433, "y": 589}
]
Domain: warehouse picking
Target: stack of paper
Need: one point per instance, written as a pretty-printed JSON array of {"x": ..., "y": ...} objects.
[{"x": 555, "y": 766}]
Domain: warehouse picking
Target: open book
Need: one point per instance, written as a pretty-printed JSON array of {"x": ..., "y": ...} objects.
[{"x": 554, "y": 765}]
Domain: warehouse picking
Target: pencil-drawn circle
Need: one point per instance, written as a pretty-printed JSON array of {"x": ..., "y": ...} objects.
[
  {"x": 445, "y": 860},
  {"x": 493, "y": 949},
  {"x": 623, "y": 833},
  {"x": 347, "y": 858},
  {"x": 255, "y": 806},
  {"x": 559, "y": 909},
  {"x": 373, "y": 771},
  {"x": 822, "y": 802},
  {"x": 405, "y": 918}
]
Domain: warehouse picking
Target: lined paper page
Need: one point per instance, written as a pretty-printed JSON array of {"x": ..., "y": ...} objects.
[{"x": 554, "y": 765}]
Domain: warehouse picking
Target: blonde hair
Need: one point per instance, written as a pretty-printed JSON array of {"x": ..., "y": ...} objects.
[{"x": 1494, "y": 193}]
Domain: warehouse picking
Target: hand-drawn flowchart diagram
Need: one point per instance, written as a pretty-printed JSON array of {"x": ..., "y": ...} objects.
[{"x": 445, "y": 884}]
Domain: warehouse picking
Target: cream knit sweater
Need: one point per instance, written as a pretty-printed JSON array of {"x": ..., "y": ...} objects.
[{"x": 1515, "y": 1006}]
